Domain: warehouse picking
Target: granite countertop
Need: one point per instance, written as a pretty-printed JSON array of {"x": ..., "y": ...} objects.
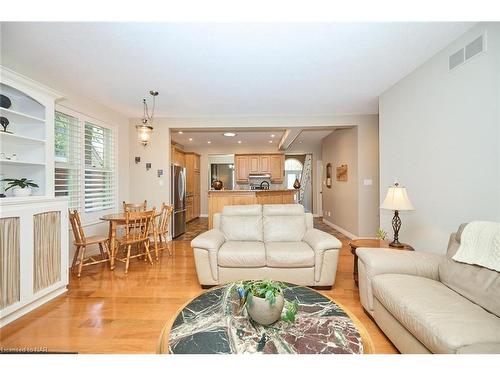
[{"x": 251, "y": 191}]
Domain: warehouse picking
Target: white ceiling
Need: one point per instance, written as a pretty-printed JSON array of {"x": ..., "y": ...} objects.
[
  {"x": 225, "y": 69},
  {"x": 217, "y": 139}
]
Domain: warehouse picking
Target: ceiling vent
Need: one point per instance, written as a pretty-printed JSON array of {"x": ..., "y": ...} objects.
[{"x": 466, "y": 53}]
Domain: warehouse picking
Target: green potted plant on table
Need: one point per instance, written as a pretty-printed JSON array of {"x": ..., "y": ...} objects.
[
  {"x": 264, "y": 301},
  {"x": 22, "y": 187}
]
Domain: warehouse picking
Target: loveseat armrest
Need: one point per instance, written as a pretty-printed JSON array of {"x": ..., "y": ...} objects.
[
  {"x": 205, "y": 249},
  {"x": 211, "y": 240},
  {"x": 373, "y": 262},
  {"x": 320, "y": 242}
]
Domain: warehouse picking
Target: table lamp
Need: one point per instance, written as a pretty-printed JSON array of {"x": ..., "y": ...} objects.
[{"x": 397, "y": 200}]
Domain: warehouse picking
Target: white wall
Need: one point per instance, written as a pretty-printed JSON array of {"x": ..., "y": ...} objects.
[
  {"x": 145, "y": 184},
  {"x": 440, "y": 136}
]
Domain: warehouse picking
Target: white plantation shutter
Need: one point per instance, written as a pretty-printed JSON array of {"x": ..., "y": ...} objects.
[
  {"x": 99, "y": 168},
  {"x": 67, "y": 146}
]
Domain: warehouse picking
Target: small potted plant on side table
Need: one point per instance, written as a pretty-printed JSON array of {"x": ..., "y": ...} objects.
[
  {"x": 264, "y": 301},
  {"x": 22, "y": 187}
]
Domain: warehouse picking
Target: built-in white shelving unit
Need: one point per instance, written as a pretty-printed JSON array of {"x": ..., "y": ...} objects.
[{"x": 34, "y": 230}]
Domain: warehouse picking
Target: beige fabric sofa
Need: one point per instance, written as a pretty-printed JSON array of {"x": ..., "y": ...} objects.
[
  {"x": 428, "y": 303},
  {"x": 274, "y": 241}
]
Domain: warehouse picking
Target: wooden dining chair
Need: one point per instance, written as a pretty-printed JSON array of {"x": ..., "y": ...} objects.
[
  {"x": 137, "y": 228},
  {"x": 135, "y": 207},
  {"x": 81, "y": 242},
  {"x": 162, "y": 231}
]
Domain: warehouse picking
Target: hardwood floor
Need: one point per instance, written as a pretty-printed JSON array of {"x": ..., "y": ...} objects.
[{"x": 109, "y": 312}]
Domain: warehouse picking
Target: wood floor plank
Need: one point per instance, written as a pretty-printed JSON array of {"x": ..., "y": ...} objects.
[{"x": 109, "y": 312}]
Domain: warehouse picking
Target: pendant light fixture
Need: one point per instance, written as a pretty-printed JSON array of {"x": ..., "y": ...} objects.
[{"x": 146, "y": 127}]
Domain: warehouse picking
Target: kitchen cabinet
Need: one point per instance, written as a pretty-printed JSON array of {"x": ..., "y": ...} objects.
[
  {"x": 241, "y": 163},
  {"x": 192, "y": 185},
  {"x": 273, "y": 164},
  {"x": 254, "y": 163},
  {"x": 277, "y": 166},
  {"x": 265, "y": 163},
  {"x": 177, "y": 156}
]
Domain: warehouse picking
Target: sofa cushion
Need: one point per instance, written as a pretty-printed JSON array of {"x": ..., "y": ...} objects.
[
  {"x": 438, "y": 317},
  {"x": 289, "y": 254},
  {"x": 245, "y": 254},
  {"x": 242, "y": 222},
  {"x": 480, "y": 285},
  {"x": 284, "y": 222}
]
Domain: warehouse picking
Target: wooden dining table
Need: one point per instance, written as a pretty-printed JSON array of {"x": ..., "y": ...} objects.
[{"x": 116, "y": 220}]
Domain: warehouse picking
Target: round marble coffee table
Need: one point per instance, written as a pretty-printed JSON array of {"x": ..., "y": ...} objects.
[{"x": 213, "y": 323}]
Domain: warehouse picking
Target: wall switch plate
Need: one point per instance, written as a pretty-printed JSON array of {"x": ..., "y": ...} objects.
[
  {"x": 148, "y": 166},
  {"x": 159, "y": 172},
  {"x": 367, "y": 182},
  {"x": 137, "y": 160}
]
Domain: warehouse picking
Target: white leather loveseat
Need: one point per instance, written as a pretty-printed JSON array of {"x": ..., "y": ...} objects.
[{"x": 275, "y": 241}]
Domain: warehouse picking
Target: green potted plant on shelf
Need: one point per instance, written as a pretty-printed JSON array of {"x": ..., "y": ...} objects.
[
  {"x": 381, "y": 234},
  {"x": 264, "y": 301},
  {"x": 21, "y": 187}
]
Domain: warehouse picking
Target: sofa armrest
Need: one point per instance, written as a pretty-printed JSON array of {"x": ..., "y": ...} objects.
[
  {"x": 320, "y": 242},
  {"x": 373, "y": 262},
  {"x": 211, "y": 240},
  {"x": 206, "y": 247},
  {"x": 381, "y": 261}
]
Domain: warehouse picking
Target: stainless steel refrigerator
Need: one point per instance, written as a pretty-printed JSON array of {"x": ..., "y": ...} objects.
[{"x": 178, "y": 199}]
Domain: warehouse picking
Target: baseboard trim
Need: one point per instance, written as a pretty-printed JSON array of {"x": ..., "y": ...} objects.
[{"x": 340, "y": 229}]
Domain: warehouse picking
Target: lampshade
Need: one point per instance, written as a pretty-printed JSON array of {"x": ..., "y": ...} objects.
[
  {"x": 397, "y": 199},
  {"x": 144, "y": 133}
]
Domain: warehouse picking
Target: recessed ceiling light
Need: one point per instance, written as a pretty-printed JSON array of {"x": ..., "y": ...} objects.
[
  {"x": 180, "y": 132},
  {"x": 190, "y": 139},
  {"x": 239, "y": 141},
  {"x": 272, "y": 136},
  {"x": 229, "y": 134},
  {"x": 300, "y": 141},
  {"x": 209, "y": 141},
  {"x": 270, "y": 141}
]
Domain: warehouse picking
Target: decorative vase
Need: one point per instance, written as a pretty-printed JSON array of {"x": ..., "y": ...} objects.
[
  {"x": 217, "y": 184},
  {"x": 262, "y": 312},
  {"x": 22, "y": 192},
  {"x": 296, "y": 184}
]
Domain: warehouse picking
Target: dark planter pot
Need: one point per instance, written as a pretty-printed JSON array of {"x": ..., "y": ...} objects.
[{"x": 217, "y": 184}]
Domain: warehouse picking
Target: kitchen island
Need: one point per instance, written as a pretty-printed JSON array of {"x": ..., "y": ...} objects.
[{"x": 217, "y": 199}]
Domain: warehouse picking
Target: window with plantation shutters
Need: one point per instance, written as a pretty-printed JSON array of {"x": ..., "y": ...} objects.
[
  {"x": 67, "y": 171},
  {"x": 99, "y": 189}
]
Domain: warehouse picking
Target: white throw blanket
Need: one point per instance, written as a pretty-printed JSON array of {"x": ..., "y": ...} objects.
[{"x": 480, "y": 244}]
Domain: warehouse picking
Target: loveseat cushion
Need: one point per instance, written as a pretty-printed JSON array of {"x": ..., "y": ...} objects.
[
  {"x": 441, "y": 319},
  {"x": 242, "y": 254},
  {"x": 284, "y": 222},
  {"x": 289, "y": 254},
  {"x": 242, "y": 222}
]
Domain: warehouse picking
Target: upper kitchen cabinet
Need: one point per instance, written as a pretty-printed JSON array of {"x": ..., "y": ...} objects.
[
  {"x": 177, "y": 156},
  {"x": 254, "y": 163},
  {"x": 277, "y": 165},
  {"x": 241, "y": 163},
  {"x": 265, "y": 163},
  {"x": 273, "y": 164}
]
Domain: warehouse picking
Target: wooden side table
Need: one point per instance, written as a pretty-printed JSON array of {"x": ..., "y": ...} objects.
[{"x": 377, "y": 244}]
